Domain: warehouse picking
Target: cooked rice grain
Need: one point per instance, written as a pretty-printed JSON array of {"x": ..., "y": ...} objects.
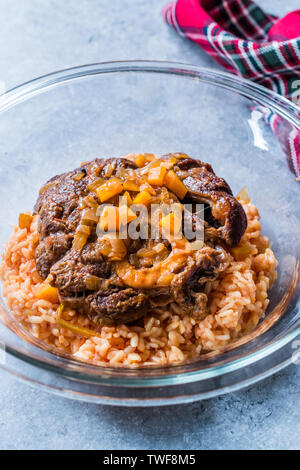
[{"x": 237, "y": 301}]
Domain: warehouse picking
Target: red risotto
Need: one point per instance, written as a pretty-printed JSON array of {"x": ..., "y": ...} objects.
[
  {"x": 237, "y": 300},
  {"x": 138, "y": 260}
]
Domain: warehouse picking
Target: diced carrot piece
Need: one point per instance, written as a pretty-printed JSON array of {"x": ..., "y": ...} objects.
[
  {"x": 140, "y": 160},
  {"x": 173, "y": 183},
  {"x": 131, "y": 186},
  {"x": 171, "y": 223},
  {"x": 113, "y": 217},
  {"x": 109, "y": 189},
  {"x": 149, "y": 157},
  {"x": 48, "y": 293},
  {"x": 126, "y": 200},
  {"x": 25, "y": 220},
  {"x": 126, "y": 215},
  {"x": 142, "y": 198},
  {"x": 109, "y": 219},
  {"x": 156, "y": 162},
  {"x": 156, "y": 175}
]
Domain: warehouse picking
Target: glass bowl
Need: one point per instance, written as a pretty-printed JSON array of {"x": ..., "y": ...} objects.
[{"x": 53, "y": 123}]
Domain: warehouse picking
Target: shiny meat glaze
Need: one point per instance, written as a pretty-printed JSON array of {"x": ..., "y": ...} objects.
[{"x": 115, "y": 297}]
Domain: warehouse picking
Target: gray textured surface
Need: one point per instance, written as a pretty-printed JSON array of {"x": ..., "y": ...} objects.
[{"x": 40, "y": 36}]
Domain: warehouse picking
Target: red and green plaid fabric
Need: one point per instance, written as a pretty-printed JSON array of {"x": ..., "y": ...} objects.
[{"x": 245, "y": 40}]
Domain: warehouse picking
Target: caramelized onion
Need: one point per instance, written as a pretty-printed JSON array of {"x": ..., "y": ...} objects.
[
  {"x": 78, "y": 330},
  {"x": 94, "y": 283},
  {"x": 243, "y": 195},
  {"x": 89, "y": 217},
  {"x": 79, "y": 175}
]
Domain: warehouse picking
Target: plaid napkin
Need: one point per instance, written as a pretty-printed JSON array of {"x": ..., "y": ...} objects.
[{"x": 248, "y": 42}]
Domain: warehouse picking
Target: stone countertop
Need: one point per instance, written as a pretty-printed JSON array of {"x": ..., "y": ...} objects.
[{"x": 39, "y": 37}]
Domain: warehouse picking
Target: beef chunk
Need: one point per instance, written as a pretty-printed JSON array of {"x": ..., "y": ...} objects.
[
  {"x": 89, "y": 282},
  {"x": 58, "y": 207},
  {"x": 226, "y": 213},
  {"x": 58, "y": 202},
  {"x": 51, "y": 249},
  {"x": 187, "y": 288},
  {"x": 117, "y": 306},
  {"x": 72, "y": 274}
]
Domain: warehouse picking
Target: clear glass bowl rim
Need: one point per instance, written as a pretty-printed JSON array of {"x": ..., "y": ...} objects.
[{"x": 172, "y": 374}]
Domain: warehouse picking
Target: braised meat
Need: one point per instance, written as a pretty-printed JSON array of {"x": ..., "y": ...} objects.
[
  {"x": 116, "y": 279},
  {"x": 225, "y": 212}
]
